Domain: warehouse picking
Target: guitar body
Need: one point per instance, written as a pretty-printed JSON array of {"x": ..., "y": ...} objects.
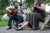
[{"x": 8, "y": 13}]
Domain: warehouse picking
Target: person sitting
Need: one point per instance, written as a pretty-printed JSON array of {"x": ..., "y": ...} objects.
[
  {"x": 23, "y": 24},
  {"x": 16, "y": 17},
  {"x": 39, "y": 14}
]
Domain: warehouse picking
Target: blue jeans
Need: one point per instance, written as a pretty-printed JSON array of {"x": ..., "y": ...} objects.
[{"x": 17, "y": 18}]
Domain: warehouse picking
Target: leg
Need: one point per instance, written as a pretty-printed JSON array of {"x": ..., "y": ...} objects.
[
  {"x": 20, "y": 19},
  {"x": 23, "y": 25},
  {"x": 44, "y": 25},
  {"x": 9, "y": 22}
]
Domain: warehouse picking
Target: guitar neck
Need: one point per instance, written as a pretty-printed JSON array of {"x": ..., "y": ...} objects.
[{"x": 19, "y": 9}]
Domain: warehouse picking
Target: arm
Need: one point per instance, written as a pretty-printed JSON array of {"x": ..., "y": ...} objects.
[
  {"x": 42, "y": 6},
  {"x": 9, "y": 8},
  {"x": 21, "y": 10}
]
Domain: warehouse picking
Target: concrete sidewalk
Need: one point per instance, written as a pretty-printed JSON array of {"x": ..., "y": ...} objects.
[{"x": 26, "y": 30}]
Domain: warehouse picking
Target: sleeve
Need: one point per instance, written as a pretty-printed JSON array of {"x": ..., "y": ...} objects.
[
  {"x": 18, "y": 7},
  {"x": 10, "y": 7}
]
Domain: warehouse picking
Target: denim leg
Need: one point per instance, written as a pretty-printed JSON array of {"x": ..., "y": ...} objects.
[
  {"x": 10, "y": 20},
  {"x": 19, "y": 18}
]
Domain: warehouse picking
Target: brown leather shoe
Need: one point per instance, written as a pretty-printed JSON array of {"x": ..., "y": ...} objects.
[{"x": 8, "y": 28}]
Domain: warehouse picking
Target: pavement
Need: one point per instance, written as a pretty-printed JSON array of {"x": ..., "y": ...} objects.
[{"x": 26, "y": 30}]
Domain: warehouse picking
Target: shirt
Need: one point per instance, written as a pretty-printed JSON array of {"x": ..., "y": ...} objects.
[
  {"x": 41, "y": 12},
  {"x": 11, "y": 7}
]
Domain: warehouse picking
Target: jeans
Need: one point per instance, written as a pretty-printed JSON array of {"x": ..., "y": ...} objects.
[{"x": 15, "y": 17}]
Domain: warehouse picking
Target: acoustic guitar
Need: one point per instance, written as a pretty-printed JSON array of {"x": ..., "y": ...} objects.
[{"x": 13, "y": 11}]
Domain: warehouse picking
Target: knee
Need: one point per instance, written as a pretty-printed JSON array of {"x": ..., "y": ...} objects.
[
  {"x": 21, "y": 17},
  {"x": 10, "y": 16}
]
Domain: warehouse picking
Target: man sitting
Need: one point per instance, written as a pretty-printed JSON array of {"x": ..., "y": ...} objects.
[{"x": 16, "y": 17}]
